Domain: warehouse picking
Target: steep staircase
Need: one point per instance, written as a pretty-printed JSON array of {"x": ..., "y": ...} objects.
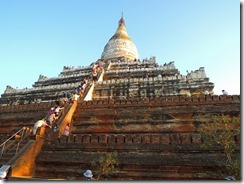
[{"x": 22, "y": 143}]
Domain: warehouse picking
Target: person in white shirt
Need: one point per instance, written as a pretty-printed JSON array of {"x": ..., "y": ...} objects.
[
  {"x": 57, "y": 110},
  {"x": 39, "y": 124},
  {"x": 51, "y": 119},
  {"x": 75, "y": 97},
  {"x": 206, "y": 93},
  {"x": 224, "y": 92}
]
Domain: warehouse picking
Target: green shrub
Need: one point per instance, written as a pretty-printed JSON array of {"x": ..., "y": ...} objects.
[
  {"x": 106, "y": 164},
  {"x": 222, "y": 131}
]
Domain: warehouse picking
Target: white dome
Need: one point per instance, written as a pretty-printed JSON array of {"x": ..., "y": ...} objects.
[{"x": 120, "y": 45}]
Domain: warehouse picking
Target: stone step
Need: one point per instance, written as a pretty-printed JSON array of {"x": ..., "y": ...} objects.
[{"x": 131, "y": 173}]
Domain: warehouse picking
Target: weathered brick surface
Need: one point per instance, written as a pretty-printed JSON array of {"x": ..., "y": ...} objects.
[
  {"x": 209, "y": 98},
  {"x": 111, "y": 138},
  {"x": 128, "y": 139},
  {"x": 72, "y": 138},
  {"x": 165, "y": 138},
  {"x": 103, "y": 138},
  {"x": 202, "y": 98},
  {"x": 137, "y": 139},
  {"x": 139, "y": 130},
  {"x": 146, "y": 139},
  {"x": 196, "y": 138},
  {"x": 175, "y": 139},
  {"x": 79, "y": 138},
  {"x": 14, "y": 117},
  {"x": 94, "y": 139},
  {"x": 120, "y": 139},
  {"x": 155, "y": 139},
  {"x": 63, "y": 139},
  {"x": 86, "y": 138},
  {"x": 185, "y": 138}
]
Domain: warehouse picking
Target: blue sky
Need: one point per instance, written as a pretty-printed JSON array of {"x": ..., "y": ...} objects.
[{"x": 42, "y": 36}]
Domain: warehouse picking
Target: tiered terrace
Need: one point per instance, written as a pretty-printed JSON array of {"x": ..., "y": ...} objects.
[
  {"x": 148, "y": 79},
  {"x": 47, "y": 89},
  {"x": 155, "y": 138}
]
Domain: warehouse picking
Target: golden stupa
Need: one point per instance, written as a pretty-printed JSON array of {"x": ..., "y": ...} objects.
[{"x": 120, "y": 45}]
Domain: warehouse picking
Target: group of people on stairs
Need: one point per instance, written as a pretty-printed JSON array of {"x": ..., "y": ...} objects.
[
  {"x": 50, "y": 120},
  {"x": 55, "y": 112}
]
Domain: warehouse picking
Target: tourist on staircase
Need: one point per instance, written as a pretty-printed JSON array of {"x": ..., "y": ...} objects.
[
  {"x": 62, "y": 102},
  {"x": 75, "y": 97},
  {"x": 84, "y": 84},
  {"x": 78, "y": 89},
  {"x": 39, "y": 124},
  {"x": 83, "y": 87},
  {"x": 51, "y": 119},
  {"x": 57, "y": 110},
  {"x": 96, "y": 67},
  {"x": 51, "y": 111},
  {"x": 67, "y": 129},
  {"x": 94, "y": 74}
]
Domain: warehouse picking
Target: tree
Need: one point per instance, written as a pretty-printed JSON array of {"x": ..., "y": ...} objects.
[
  {"x": 222, "y": 131},
  {"x": 106, "y": 164}
]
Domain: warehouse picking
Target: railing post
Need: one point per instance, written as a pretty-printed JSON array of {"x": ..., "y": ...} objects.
[
  {"x": 23, "y": 133},
  {"x": 18, "y": 137},
  {"x": 21, "y": 137},
  {"x": 2, "y": 150}
]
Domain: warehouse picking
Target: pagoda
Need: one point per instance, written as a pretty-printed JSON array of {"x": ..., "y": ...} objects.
[
  {"x": 120, "y": 45},
  {"x": 125, "y": 77},
  {"x": 145, "y": 112}
]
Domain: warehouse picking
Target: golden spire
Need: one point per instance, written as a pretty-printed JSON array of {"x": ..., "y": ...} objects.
[
  {"x": 120, "y": 44},
  {"x": 121, "y": 21}
]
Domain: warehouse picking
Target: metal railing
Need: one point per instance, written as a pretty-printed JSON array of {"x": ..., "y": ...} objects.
[
  {"x": 100, "y": 75},
  {"x": 14, "y": 141},
  {"x": 88, "y": 93}
]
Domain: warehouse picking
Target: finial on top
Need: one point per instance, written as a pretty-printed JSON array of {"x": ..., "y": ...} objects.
[{"x": 121, "y": 21}]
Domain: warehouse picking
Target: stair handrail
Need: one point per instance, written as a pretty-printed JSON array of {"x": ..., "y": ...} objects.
[
  {"x": 89, "y": 85},
  {"x": 92, "y": 84},
  {"x": 100, "y": 77},
  {"x": 17, "y": 133},
  {"x": 109, "y": 65}
]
